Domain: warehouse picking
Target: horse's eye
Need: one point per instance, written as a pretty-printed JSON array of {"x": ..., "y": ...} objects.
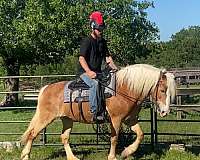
[{"x": 162, "y": 91}]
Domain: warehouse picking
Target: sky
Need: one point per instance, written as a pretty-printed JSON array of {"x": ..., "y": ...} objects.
[{"x": 173, "y": 15}]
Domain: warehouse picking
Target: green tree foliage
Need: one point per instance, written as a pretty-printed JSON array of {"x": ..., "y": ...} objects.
[
  {"x": 46, "y": 31},
  {"x": 182, "y": 51},
  {"x": 41, "y": 31},
  {"x": 185, "y": 47}
]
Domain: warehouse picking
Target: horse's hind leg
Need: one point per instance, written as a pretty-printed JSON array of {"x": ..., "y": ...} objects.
[
  {"x": 134, "y": 146},
  {"x": 67, "y": 127},
  {"x": 38, "y": 122}
]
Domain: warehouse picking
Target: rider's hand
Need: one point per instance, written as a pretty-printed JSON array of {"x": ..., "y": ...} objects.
[{"x": 91, "y": 74}]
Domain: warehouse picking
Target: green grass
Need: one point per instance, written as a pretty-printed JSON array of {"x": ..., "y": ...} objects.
[
  {"x": 179, "y": 155},
  {"x": 97, "y": 152}
]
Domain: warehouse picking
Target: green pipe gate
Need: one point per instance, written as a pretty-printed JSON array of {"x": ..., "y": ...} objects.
[{"x": 153, "y": 133}]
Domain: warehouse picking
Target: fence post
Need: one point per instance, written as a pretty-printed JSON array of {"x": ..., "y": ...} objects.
[
  {"x": 97, "y": 133},
  {"x": 154, "y": 136},
  {"x": 44, "y": 136},
  {"x": 155, "y": 126},
  {"x": 152, "y": 127},
  {"x": 41, "y": 81}
]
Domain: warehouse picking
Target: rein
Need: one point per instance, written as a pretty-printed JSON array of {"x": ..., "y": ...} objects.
[
  {"x": 106, "y": 74},
  {"x": 130, "y": 98},
  {"x": 122, "y": 94}
]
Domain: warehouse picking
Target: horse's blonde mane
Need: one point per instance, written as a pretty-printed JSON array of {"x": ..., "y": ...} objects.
[
  {"x": 139, "y": 77},
  {"x": 171, "y": 83}
]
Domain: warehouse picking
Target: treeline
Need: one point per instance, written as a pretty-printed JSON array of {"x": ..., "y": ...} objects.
[
  {"x": 40, "y": 32},
  {"x": 182, "y": 51},
  {"x": 44, "y": 32}
]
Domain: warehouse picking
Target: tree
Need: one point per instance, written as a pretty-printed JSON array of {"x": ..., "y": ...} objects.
[
  {"x": 186, "y": 47},
  {"x": 45, "y": 31},
  {"x": 10, "y": 49},
  {"x": 36, "y": 32}
]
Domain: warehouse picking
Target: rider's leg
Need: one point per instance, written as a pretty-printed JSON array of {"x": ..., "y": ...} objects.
[{"x": 93, "y": 84}]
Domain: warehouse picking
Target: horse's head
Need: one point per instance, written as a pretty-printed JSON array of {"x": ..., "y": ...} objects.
[{"x": 164, "y": 93}]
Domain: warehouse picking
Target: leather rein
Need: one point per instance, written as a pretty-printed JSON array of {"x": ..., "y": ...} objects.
[{"x": 130, "y": 98}]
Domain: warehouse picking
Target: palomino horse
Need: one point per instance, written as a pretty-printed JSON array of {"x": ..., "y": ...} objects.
[{"x": 134, "y": 84}]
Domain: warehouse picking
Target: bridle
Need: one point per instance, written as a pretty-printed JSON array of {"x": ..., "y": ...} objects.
[{"x": 156, "y": 94}]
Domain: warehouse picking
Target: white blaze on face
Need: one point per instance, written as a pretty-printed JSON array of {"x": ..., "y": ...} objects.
[
  {"x": 163, "y": 109},
  {"x": 170, "y": 95}
]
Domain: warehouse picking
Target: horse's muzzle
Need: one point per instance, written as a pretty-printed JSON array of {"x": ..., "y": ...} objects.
[{"x": 163, "y": 113}]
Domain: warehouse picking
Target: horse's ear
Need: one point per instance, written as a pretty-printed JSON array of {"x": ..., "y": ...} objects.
[
  {"x": 162, "y": 76},
  {"x": 163, "y": 71}
]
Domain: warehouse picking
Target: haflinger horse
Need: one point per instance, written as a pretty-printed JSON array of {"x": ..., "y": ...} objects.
[{"x": 134, "y": 84}]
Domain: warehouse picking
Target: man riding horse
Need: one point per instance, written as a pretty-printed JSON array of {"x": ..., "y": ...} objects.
[{"x": 93, "y": 51}]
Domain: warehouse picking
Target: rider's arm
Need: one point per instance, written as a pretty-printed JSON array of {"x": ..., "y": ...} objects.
[
  {"x": 110, "y": 61},
  {"x": 85, "y": 66},
  {"x": 84, "y": 49}
]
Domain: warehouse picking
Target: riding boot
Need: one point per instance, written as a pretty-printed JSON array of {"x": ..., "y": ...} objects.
[{"x": 98, "y": 117}]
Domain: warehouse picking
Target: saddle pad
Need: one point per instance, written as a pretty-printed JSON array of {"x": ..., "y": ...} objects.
[
  {"x": 75, "y": 93},
  {"x": 109, "y": 91}
]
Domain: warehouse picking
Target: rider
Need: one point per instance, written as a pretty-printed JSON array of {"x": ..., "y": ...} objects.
[{"x": 93, "y": 51}]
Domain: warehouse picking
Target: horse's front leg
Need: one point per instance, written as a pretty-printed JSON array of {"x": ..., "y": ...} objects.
[
  {"x": 115, "y": 126},
  {"x": 67, "y": 127},
  {"x": 134, "y": 146}
]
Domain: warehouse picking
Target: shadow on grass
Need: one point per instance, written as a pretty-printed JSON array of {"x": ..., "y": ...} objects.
[
  {"x": 81, "y": 153},
  {"x": 193, "y": 149},
  {"x": 144, "y": 152},
  {"x": 59, "y": 153},
  {"x": 147, "y": 152}
]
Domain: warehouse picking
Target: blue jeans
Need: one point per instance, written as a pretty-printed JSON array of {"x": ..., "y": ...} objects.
[{"x": 93, "y": 84}]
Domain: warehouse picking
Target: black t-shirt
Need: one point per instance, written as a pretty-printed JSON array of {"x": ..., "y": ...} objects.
[{"x": 94, "y": 51}]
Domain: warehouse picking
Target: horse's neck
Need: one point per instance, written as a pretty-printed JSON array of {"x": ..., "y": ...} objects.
[
  {"x": 127, "y": 95},
  {"x": 130, "y": 103}
]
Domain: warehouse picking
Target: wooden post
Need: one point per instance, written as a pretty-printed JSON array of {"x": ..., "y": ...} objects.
[{"x": 179, "y": 113}]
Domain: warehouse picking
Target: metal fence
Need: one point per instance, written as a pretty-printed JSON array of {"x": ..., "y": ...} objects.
[{"x": 154, "y": 132}]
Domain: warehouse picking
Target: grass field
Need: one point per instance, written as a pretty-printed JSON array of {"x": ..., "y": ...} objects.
[
  {"x": 94, "y": 153},
  {"x": 100, "y": 152}
]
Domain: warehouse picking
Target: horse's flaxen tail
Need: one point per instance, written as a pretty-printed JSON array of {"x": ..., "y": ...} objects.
[{"x": 33, "y": 128}]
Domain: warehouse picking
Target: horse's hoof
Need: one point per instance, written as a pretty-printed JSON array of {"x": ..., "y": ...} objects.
[
  {"x": 125, "y": 153},
  {"x": 73, "y": 158},
  {"x": 112, "y": 158}
]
